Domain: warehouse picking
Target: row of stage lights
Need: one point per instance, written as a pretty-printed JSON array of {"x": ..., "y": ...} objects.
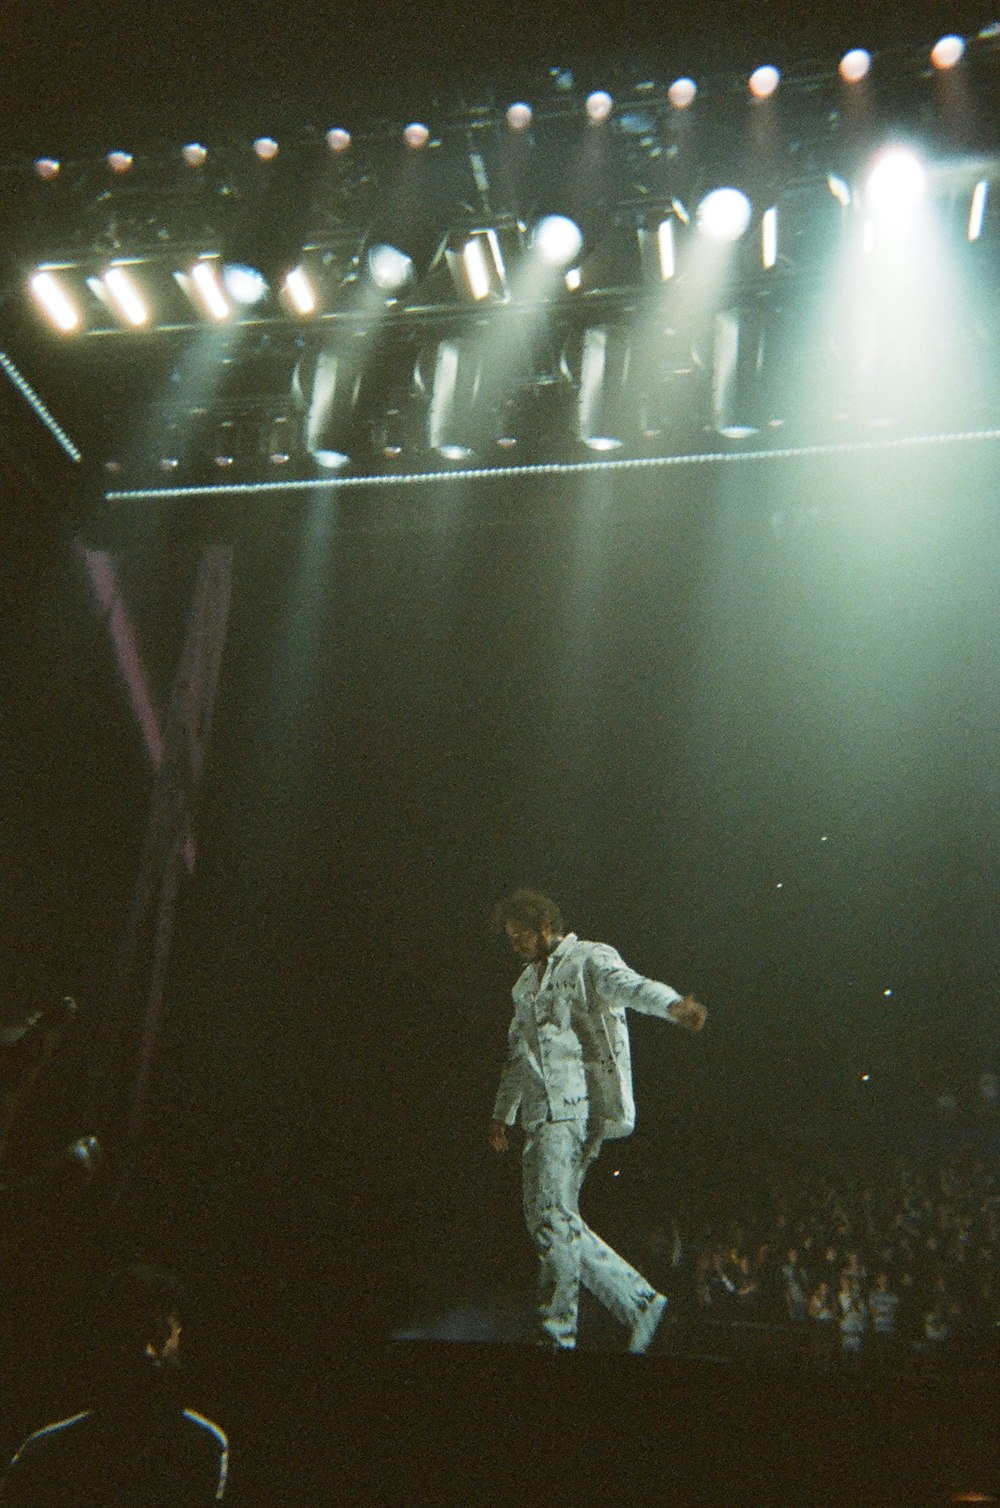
[
  {"x": 218, "y": 291},
  {"x": 764, "y": 82}
]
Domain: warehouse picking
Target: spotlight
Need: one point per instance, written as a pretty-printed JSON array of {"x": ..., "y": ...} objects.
[
  {"x": 896, "y": 183},
  {"x": 119, "y": 162},
  {"x": 208, "y": 291},
  {"x": 769, "y": 237},
  {"x": 389, "y": 268},
  {"x": 299, "y": 291},
  {"x": 125, "y": 296},
  {"x": 977, "y": 210},
  {"x": 519, "y": 116},
  {"x": 724, "y": 214},
  {"x": 265, "y": 148},
  {"x": 657, "y": 252},
  {"x": 682, "y": 92},
  {"x": 476, "y": 269},
  {"x": 194, "y": 154},
  {"x": 558, "y": 240},
  {"x": 338, "y": 140},
  {"x": 599, "y": 106},
  {"x": 336, "y": 387},
  {"x": 948, "y": 52},
  {"x": 454, "y": 418},
  {"x": 839, "y": 189},
  {"x": 605, "y": 383},
  {"x": 477, "y": 265},
  {"x": 764, "y": 81},
  {"x": 47, "y": 168},
  {"x": 854, "y": 65},
  {"x": 245, "y": 285},
  {"x": 416, "y": 136},
  {"x": 55, "y": 302},
  {"x": 737, "y": 359}
]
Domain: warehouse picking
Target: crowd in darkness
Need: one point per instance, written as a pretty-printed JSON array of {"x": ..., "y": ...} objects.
[{"x": 864, "y": 1252}]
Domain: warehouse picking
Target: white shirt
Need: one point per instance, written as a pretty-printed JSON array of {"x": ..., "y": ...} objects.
[{"x": 568, "y": 1046}]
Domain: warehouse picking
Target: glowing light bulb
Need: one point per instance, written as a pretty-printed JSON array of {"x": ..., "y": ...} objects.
[
  {"x": 682, "y": 92},
  {"x": 764, "y": 81},
  {"x": 948, "y": 52},
  {"x": 599, "y": 106},
  {"x": 854, "y": 65}
]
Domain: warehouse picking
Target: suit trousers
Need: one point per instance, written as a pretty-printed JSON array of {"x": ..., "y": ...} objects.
[{"x": 556, "y": 1157}]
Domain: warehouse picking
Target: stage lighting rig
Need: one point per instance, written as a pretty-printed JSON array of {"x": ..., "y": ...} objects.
[{"x": 349, "y": 297}]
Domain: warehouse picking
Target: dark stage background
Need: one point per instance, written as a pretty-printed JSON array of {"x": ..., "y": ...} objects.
[{"x": 739, "y": 718}]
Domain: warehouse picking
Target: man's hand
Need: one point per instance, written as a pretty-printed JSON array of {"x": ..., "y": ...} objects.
[
  {"x": 689, "y": 1013},
  {"x": 498, "y": 1136}
]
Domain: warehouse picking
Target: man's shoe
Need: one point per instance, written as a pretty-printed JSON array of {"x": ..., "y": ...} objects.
[{"x": 647, "y": 1325}]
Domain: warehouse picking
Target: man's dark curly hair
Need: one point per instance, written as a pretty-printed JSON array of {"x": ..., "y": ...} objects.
[{"x": 528, "y": 909}]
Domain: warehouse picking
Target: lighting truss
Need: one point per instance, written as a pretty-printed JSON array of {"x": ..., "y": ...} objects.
[{"x": 209, "y": 315}]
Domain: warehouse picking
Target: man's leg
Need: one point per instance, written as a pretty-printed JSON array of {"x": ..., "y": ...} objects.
[
  {"x": 613, "y": 1281},
  {"x": 553, "y": 1154}
]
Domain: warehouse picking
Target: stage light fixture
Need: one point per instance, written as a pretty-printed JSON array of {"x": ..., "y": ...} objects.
[
  {"x": 126, "y": 297},
  {"x": 119, "y": 162},
  {"x": 47, "y": 168},
  {"x": 389, "y": 268},
  {"x": 737, "y": 355},
  {"x": 337, "y": 386},
  {"x": 416, "y": 136},
  {"x": 265, "y": 148},
  {"x": 519, "y": 116},
  {"x": 769, "y": 237},
  {"x": 682, "y": 93},
  {"x": 245, "y": 284},
  {"x": 764, "y": 81},
  {"x": 55, "y": 302},
  {"x": 207, "y": 290},
  {"x": 338, "y": 140},
  {"x": 896, "y": 184},
  {"x": 477, "y": 265},
  {"x": 605, "y": 385},
  {"x": 657, "y": 250},
  {"x": 557, "y": 239},
  {"x": 839, "y": 189},
  {"x": 855, "y": 65},
  {"x": 724, "y": 214},
  {"x": 599, "y": 106},
  {"x": 299, "y": 291},
  {"x": 194, "y": 154},
  {"x": 454, "y": 420},
  {"x": 947, "y": 52},
  {"x": 977, "y": 210},
  {"x": 476, "y": 268}
]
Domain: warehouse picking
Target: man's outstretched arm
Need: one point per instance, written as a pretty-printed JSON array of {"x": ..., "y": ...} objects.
[{"x": 622, "y": 986}]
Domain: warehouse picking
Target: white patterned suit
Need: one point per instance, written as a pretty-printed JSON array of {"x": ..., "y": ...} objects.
[{"x": 569, "y": 1074}]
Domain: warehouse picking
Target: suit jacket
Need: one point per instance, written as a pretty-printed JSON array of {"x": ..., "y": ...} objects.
[{"x": 568, "y": 1046}]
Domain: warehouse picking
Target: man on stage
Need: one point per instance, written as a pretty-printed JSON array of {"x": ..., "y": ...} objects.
[{"x": 569, "y": 1073}]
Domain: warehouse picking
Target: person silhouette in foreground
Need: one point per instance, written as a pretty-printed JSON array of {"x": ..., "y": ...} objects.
[
  {"x": 569, "y": 1076},
  {"x": 138, "y": 1446}
]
